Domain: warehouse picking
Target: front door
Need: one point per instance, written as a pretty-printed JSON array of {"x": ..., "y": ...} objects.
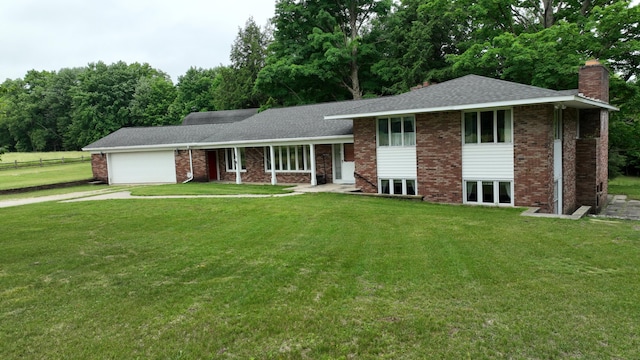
[
  {"x": 212, "y": 162},
  {"x": 344, "y": 163}
]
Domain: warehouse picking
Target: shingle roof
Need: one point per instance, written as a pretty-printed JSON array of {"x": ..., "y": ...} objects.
[
  {"x": 218, "y": 117},
  {"x": 467, "y": 90},
  {"x": 298, "y": 122}
]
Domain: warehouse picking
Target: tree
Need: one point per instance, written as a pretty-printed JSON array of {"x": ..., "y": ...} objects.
[
  {"x": 319, "y": 49},
  {"x": 236, "y": 83},
  {"x": 151, "y": 101},
  {"x": 102, "y": 100},
  {"x": 194, "y": 92}
]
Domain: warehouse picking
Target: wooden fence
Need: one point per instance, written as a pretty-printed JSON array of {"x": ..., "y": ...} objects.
[{"x": 43, "y": 162}]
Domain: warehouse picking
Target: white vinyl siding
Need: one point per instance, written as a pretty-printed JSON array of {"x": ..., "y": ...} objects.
[
  {"x": 142, "y": 167},
  {"x": 493, "y": 161},
  {"x": 397, "y": 162}
]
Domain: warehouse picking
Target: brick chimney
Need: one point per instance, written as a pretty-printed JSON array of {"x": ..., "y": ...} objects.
[{"x": 593, "y": 81}]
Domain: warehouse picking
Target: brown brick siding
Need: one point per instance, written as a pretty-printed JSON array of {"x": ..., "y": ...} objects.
[
  {"x": 594, "y": 82},
  {"x": 569, "y": 131},
  {"x": 255, "y": 172},
  {"x": 592, "y": 159},
  {"x": 533, "y": 156},
  {"x": 199, "y": 159},
  {"x": 99, "y": 167},
  {"x": 439, "y": 156},
  {"x": 366, "y": 165}
]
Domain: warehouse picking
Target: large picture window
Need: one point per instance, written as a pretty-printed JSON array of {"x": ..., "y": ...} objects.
[
  {"x": 230, "y": 159},
  {"x": 289, "y": 158},
  {"x": 488, "y": 192},
  {"x": 488, "y": 127},
  {"x": 397, "y": 131}
]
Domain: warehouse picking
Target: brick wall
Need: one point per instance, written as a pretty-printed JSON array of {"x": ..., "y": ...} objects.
[
  {"x": 99, "y": 167},
  {"x": 533, "y": 156},
  {"x": 255, "y": 173},
  {"x": 439, "y": 156},
  {"x": 569, "y": 131},
  {"x": 183, "y": 167},
  {"x": 366, "y": 165},
  {"x": 592, "y": 159},
  {"x": 593, "y": 81}
]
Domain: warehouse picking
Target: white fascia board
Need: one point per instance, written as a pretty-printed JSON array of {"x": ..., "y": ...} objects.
[
  {"x": 219, "y": 145},
  {"x": 138, "y": 148},
  {"x": 497, "y": 104}
]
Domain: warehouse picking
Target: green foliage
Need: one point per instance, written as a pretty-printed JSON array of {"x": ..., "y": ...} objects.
[
  {"x": 319, "y": 49},
  {"x": 194, "y": 92},
  {"x": 236, "y": 84}
]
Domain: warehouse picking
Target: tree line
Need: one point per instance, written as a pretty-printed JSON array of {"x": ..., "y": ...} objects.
[{"x": 317, "y": 51}]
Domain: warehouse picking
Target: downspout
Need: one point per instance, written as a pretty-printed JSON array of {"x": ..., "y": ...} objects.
[{"x": 190, "y": 173}]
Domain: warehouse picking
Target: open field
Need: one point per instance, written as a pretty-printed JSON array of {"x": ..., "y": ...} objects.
[
  {"x": 314, "y": 276},
  {"x": 34, "y": 156},
  {"x": 35, "y": 176},
  {"x": 625, "y": 185}
]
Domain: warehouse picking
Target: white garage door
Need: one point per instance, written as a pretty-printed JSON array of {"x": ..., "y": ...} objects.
[{"x": 142, "y": 167}]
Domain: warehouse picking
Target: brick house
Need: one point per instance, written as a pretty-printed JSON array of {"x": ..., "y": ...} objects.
[{"x": 471, "y": 140}]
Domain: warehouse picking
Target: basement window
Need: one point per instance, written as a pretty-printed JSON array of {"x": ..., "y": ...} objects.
[
  {"x": 488, "y": 192},
  {"x": 397, "y": 186}
]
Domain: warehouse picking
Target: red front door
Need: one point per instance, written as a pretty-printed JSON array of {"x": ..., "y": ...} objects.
[{"x": 212, "y": 161}]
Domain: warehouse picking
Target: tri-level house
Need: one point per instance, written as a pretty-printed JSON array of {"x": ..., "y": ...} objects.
[{"x": 471, "y": 140}]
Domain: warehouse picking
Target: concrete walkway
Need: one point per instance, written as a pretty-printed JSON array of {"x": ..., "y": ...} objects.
[
  {"x": 107, "y": 194},
  {"x": 619, "y": 207}
]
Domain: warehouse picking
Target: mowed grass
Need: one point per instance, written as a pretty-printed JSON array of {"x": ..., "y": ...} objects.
[
  {"x": 625, "y": 185},
  {"x": 211, "y": 188},
  {"x": 36, "y": 176},
  {"x": 314, "y": 276},
  {"x": 35, "y": 156}
]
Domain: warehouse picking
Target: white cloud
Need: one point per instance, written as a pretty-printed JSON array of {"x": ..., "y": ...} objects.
[{"x": 169, "y": 35}]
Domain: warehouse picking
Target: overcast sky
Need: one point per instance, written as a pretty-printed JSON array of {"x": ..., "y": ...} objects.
[{"x": 170, "y": 35}]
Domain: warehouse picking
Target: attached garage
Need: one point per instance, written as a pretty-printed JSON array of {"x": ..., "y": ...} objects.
[{"x": 142, "y": 167}]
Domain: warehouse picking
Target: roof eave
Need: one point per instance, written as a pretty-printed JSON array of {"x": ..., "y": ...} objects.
[
  {"x": 547, "y": 100},
  {"x": 218, "y": 145}
]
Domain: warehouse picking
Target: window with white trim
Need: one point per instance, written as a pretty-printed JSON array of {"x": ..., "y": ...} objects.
[
  {"x": 295, "y": 158},
  {"x": 488, "y": 127},
  {"x": 397, "y": 186},
  {"x": 397, "y": 131},
  {"x": 230, "y": 159},
  {"x": 488, "y": 192}
]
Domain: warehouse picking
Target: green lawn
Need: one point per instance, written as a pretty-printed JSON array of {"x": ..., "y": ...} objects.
[
  {"x": 625, "y": 185},
  {"x": 195, "y": 188},
  {"x": 314, "y": 276},
  {"x": 34, "y": 176}
]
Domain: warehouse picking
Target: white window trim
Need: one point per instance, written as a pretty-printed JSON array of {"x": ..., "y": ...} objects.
[
  {"x": 478, "y": 127},
  {"x": 496, "y": 191},
  {"x": 306, "y": 149},
  {"x": 404, "y": 185},
  {"x": 231, "y": 163},
  {"x": 388, "y": 118}
]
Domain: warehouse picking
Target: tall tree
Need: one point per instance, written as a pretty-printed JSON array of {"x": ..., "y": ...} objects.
[
  {"x": 102, "y": 100},
  {"x": 194, "y": 92},
  {"x": 151, "y": 101},
  {"x": 236, "y": 88},
  {"x": 319, "y": 49}
]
